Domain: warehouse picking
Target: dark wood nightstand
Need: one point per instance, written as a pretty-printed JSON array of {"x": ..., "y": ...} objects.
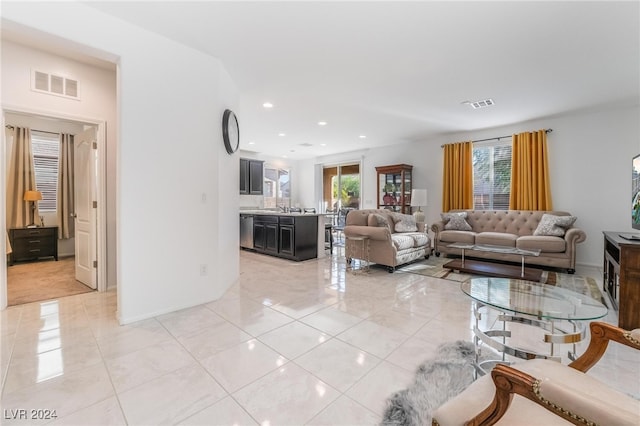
[{"x": 33, "y": 243}]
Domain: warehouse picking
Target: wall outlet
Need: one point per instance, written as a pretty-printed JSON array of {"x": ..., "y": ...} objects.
[{"x": 204, "y": 270}]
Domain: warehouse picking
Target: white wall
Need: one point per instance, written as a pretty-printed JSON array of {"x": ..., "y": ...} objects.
[
  {"x": 590, "y": 169},
  {"x": 97, "y": 102},
  {"x": 170, "y": 218}
]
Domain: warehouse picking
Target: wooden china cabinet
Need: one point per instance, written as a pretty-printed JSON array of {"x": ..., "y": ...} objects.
[{"x": 394, "y": 187}]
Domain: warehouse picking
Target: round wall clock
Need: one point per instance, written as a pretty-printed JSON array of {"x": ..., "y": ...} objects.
[{"x": 230, "y": 131}]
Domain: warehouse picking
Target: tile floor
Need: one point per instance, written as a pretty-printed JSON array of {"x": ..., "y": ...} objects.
[{"x": 292, "y": 344}]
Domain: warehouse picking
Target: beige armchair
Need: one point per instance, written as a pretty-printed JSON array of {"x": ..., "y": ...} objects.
[{"x": 543, "y": 392}]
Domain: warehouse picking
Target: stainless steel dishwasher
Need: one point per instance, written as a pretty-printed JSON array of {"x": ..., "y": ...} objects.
[{"x": 246, "y": 231}]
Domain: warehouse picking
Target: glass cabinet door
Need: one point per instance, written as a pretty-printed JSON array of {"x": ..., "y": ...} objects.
[{"x": 394, "y": 188}]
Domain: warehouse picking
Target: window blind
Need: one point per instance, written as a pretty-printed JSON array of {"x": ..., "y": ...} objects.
[
  {"x": 46, "y": 148},
  {"x": 491, "y": 175}
]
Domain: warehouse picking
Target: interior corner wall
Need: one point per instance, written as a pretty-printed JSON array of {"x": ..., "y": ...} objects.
[
  {"x": 170, "y": 103},
  {"x": 590, "y": 168}
]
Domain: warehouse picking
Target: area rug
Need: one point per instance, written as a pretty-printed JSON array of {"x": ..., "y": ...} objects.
[
  {"x": 437, "y": 380},
  {"x": 432, "y": 267}
]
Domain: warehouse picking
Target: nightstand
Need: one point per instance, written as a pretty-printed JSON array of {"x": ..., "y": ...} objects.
[{"x": 33, "y": 243}]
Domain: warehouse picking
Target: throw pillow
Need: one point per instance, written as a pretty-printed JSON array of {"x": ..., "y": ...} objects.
[
  {"x": 404, "y": 223},
  {"x": 555, "y": 226},
  {"x": 455, "y": 221},
  {"x": 378, "y": 221}
]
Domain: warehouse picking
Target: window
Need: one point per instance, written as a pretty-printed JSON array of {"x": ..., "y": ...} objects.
[
  {"x": 45, "y": 147},
  {"x": 277, "y": 187},
  {"x": 491, "y": 175}
]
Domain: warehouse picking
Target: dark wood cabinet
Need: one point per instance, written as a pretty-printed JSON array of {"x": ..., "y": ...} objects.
[
  {"x": 394, "y": 187},
  {"x": 290, "y": 237},
  {"x": 251, "y": 176},
  {"x": 33, "y": 243},
  {"x": 621, "y": 278}
]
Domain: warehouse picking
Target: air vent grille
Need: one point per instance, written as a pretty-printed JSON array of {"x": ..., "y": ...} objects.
[
  {"x": 482, "y": 104},
  {"x": 55, "y": 85}
]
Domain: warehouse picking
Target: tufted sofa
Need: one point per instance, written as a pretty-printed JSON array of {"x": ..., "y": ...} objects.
[
  {"x": 388, "y": 246},
  {"x": 511, "y": 228}
]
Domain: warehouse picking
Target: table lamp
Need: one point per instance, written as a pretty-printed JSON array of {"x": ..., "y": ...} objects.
[
  {"x": 32, "y": 197},
  {"x": 418, "y": 199}
]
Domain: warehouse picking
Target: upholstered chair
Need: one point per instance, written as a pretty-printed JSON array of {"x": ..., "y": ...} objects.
[{"x": 544, "y": 392}]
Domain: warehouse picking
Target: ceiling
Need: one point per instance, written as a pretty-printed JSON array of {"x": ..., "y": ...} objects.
[{"x": 399, "y": 72}]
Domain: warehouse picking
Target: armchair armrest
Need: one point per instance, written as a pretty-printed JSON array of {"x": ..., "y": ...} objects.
[
  {"x": 601, "y": 334},
  {"x": 567, "y": 393},
  {"x": 564, "y": 393}
]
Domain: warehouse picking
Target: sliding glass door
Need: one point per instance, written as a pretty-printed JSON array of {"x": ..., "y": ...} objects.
[{"x": 341, "y": 186}]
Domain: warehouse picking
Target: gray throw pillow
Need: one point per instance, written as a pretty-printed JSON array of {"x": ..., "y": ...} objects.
[
  {"x": 555, "y": 226},
  {"x": 378, "y": 221},
  {"x": 455, "y": 221},
  {"x": 404, "y": 223}
]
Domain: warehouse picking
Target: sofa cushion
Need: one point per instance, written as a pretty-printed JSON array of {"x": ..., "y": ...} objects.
[
  {"x": 420, "y": 239},
  {"x": 455, "y": 221},
  {"x": 496, "y": 239},
  {"x": 451, "y": 237},
  {"x": 544, "y": 243},
  {"x": 379, "y": 221},
  {"x": 554, "y": 225},
  {"x": 404, "y": 223},
  {"x": 402, "y": 241}
]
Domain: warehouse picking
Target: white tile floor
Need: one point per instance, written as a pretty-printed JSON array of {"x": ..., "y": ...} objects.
[{"x": 292, "y": 344}]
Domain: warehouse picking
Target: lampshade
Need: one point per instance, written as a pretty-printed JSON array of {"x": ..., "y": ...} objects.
[
  {"x": 32, "y": 196},
  {"x": 418, "y": 197}
]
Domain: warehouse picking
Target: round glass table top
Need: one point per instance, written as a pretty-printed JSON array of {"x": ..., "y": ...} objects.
[{"x": 535, "y": 299}]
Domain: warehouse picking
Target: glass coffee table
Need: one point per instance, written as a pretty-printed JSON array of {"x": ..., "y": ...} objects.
[
  {"x": 495, "y": 269},
  {"x": 558, "y": 311}
]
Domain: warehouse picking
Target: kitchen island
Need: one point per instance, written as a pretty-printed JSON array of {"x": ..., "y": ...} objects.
[{"x": 294, "y": 236}]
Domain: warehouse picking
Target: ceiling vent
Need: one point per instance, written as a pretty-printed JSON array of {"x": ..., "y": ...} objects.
[
  {"x": 480, "y": 104},
  {"x": 55, "y": 85},
  {"x": 307, "y": 144}
]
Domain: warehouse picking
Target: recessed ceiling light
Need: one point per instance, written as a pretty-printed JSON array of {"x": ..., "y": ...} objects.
[
  {"x": 322, "y": 123},
  {"x": 362, "y": 137},
  {"x": 267, "y": 105},
  {"x": 252, "y": 143},
  {"x": 281, "y": 134},
  {"x": 323, "y": 144}
]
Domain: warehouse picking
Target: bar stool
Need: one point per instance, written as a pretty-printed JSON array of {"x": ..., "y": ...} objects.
[{"x": 328, "y": 236}]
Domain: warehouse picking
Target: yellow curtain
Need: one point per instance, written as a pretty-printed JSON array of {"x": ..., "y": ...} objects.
[
  {"x": 457, "y": 187},
  {"x": 530, "y": 187}
]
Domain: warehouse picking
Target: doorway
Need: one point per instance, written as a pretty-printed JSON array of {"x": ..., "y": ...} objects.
[
  {"x": 44, "y": 279},
  {"x": 341, "y": 186}
]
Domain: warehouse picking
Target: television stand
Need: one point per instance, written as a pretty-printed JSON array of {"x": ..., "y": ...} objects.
[
  {"x": 631, "y": 237},
  {"x": 621, "y": 278}
]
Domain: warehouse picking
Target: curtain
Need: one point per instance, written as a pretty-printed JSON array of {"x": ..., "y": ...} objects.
[
  {"x": 457, "y": 186},
  {"x": 530, "y": 187},
  {"x": 21, "y": 177},
  {"x": 65, "y": 209}
]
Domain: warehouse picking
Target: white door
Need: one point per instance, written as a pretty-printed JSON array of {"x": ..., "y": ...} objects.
[{"x": 85, "y": 164}]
